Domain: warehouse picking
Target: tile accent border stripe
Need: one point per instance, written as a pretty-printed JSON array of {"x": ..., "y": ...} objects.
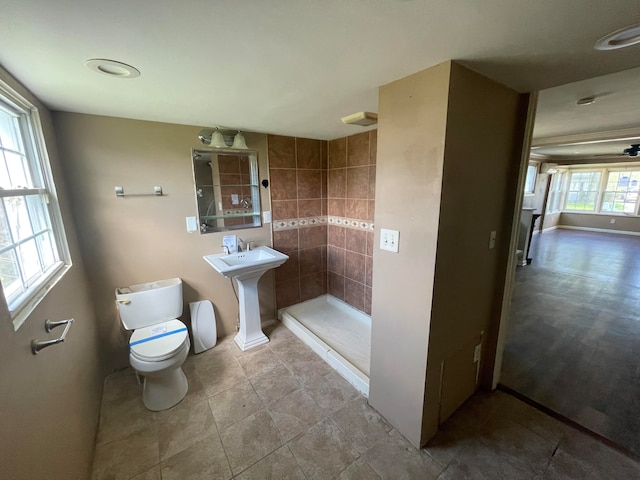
[{"x": 291, "y": 223}]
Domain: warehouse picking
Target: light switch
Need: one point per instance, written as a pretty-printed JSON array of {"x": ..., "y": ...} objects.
[
  {"x": 492, "y": 240},
  {"x": 192, "y": 225},
  {"x": 389, "y": 239}
]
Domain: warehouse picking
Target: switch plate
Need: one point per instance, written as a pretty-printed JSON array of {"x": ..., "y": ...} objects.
[
  {"x": 192, "y": 225},
  {"x": 266, "y": 216},
  {"x": 492, "y": 240},
  {"x": 476, "y": 353},
  {"x": 389, "y": 240}
]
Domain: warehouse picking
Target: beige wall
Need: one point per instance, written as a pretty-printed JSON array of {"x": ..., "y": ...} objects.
[
  {"x": 449, "y": 144},
  {"x": 481, "y": 165},
  {"x": 143, "y": 238},
  {"x": 585, "y": 220},
  {"x": 411, "y": 137},
  {"x": 50, "y": 402}
]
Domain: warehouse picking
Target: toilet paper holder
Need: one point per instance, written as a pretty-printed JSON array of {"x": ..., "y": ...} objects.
[{"x": 36, "y": 345}]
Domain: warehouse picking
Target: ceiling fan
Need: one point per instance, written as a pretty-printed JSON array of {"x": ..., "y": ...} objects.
[{"x": 633, "y": 150}]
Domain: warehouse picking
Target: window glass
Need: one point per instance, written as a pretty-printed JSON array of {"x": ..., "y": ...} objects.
[
  {"x": 530, "y": 181},
  {"x": 582, "y": 194},
  {"x": 621, "y": 192}
]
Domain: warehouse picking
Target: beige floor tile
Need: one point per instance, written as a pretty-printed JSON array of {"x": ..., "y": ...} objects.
[
  {"x": 119, "y": 419},
  {"x": 518, "y": 445},
  {"x": 279, "y": 465},
  {"x": 323, "y": 451},
  {"x": 533, "y": 419},
  {"x": 358, "y": 470},
  {"x": 394, "y": 458},
  {"x": 212, "y": 358},
  {"x": 128, "y": 457},
  {"x": 278, "y": 333},
  {"x": 152, "y": 474},
  {"x": 362, "y": 425},
  {"x": 250, "y": 440},
  {"x": 294, "y": 413},
  {"x": 564, "y": 466},
  {"x": 120, "y": 386},
  {"x": 205, "y": 460},
  {"x": 479, "y": 462},
  {"x": 184, "y": 425},
  {"x": 259, "y": 362},
  {"x": 331, "y": 392},
  {"x": 234, "y": 404},
  {"x": 274, "y": 384},
  {"x": 219, "y": 378}
]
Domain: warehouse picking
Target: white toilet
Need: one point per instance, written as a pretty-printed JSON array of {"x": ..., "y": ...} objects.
[{"x": 160, "y": 343}]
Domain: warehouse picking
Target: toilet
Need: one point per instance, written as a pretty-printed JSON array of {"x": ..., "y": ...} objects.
[{"x": 160, "y": 342}]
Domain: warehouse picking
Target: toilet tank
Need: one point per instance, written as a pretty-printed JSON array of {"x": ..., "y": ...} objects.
[{"x": 150, "y": 303}]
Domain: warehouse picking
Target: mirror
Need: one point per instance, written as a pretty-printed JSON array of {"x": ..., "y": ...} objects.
[{"x": 227, "y": 189}]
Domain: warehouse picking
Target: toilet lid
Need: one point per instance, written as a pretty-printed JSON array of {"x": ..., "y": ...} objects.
[{"x": 158, "y": 342}]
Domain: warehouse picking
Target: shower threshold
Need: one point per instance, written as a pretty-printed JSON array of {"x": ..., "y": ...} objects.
[{"x": 336, "y": 331}]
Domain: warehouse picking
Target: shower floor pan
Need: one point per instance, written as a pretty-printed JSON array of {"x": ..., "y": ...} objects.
[{"x": 336, "y": 331}]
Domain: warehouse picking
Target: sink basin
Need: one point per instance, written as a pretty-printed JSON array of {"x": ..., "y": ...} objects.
[
  {"x": 246, "y": 264},
  {"x": 247, "y": 268}
]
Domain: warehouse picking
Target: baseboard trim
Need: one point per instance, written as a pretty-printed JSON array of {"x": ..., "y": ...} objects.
[{"x": 600, "y": 230}]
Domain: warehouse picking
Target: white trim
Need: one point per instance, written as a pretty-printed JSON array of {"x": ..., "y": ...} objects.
[
  {"x": 601, "y": 230},
  {"x": 548, "y": 229}
]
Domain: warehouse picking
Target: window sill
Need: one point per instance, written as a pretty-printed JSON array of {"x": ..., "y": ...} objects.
[
  {"x": 41, "y": 290},
  {"x": 601, "y": 214}
]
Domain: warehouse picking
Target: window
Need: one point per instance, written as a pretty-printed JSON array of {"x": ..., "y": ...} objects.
[
  {"x": 582, "y": 194},
  {"x": 554, "y": 202},
  {"x": 33, "y": 249},
  {"x": 530, "y": 181},
  {"x": 621, "y": 192}
]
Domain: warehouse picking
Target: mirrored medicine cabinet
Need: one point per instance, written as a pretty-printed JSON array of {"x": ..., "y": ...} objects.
[{"x": 226, "y": 188}]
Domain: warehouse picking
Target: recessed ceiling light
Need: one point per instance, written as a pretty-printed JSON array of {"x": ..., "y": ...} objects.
[
  {"x": 112, "y": 68},
  {"x": 586, "y": 101},
  {"x": 625, "y": 37}
]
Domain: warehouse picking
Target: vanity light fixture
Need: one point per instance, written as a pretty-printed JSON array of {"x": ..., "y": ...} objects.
[
  {"x": 239, "y": 142},
  {"x": 112, "y": 68},
  {"x": 217, "y": 140},
  {"x": 624, "y": 37},
  {"x": 364, "y": 119}
]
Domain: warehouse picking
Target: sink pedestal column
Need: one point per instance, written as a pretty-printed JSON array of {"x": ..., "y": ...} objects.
[{"x": 250, "y": 334}]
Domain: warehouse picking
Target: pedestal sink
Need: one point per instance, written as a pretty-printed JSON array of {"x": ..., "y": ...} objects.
[{"x": 247, "y": 268}]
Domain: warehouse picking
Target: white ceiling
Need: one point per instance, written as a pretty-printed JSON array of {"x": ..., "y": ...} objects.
[{"x": 296, "y": 66}]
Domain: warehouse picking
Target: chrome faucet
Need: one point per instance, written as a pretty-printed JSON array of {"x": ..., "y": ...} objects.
[
  {"x": 225, "y": 249},
  {"x": 248, "y": 245}
]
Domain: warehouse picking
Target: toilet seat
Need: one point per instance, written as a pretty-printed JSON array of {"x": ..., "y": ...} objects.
[{"x": 158, "y": 342}]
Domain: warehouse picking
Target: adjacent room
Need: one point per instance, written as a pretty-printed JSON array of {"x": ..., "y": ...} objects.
[
  {"x": 574, "y": 331},
  {"x": 266, "y": 240}
]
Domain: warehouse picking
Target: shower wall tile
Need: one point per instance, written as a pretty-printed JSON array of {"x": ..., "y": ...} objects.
[
  {"x": 282, "y": 152},
  {"x": 286, "y": 240},
  {"x": 358, "y": 149},
  {"x": 309, "y": 208},
  {"x": 283, "y": 209},
  {"x": 309, "y": 153},
  {"x": 313, "y": 260},
  {"x": 336, "y": 236},
  {"x": 336, "y": 207},
  {"x": 299, "y": 183},
  {"x": 283, "y": 184},
  {"x": 289, "y": 269},
  {"x": 354, "y": 267},
  {"x": 312, "y": 286},
  {"x": 338, "y": 153},
  {"x": 309, "y": 184},
  {"x": 288, "y": 292},
  {"x": 358, "y": 182},
  {"x": 356, "y": 240},
  {"x": 354, "y": 293},
  {"x": 313, "y": 236},
  {"x": 351, "y": 196},
  {"x": 335, "y": 285},
  {"x": 337, "y": 186}
]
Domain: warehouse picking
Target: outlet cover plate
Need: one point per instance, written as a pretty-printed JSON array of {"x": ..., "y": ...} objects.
[{"x": 389, "y": 239}]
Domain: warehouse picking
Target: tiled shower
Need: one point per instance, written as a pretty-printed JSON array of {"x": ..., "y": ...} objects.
[{"x": 323, "y": 201}]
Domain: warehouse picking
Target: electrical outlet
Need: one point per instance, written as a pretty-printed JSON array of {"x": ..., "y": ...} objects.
[
  {"x": 476, "y": 353},
  {"x": 389, "y": 240},
  {"x": 266, "y": 216},
  {"x": 192, "y": 225},
  {"x": 613, "y": 220},
  {"x": 492, "y": 240}
]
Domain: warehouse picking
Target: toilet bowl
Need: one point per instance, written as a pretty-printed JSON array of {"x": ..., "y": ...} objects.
[{"x": 160, "y": 342}]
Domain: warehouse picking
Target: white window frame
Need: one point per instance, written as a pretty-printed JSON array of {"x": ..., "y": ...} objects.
[
  {"x": 557, "y": 191},
  {"x": 598, "y": 191},
  {"x": 33, "y": 138},
  {"x": 531, "y": 179},
  {"x": 608, "y": 171}
]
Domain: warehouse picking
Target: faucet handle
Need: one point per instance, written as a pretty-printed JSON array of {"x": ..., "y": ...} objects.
[
  {"x": 225, "y": 249},
  {"x": 248, "y": 245}
]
